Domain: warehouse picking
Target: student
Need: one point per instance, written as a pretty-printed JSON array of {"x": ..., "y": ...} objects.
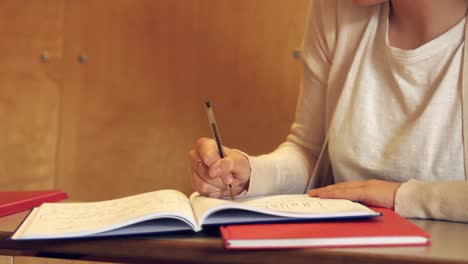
[{"x": 382, "y": 82}]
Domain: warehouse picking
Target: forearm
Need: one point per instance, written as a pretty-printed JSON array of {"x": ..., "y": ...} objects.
[{"x": 286, "y": 170}]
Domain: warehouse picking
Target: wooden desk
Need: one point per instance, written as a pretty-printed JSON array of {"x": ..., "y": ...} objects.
[{"x": 449, "y": 245}]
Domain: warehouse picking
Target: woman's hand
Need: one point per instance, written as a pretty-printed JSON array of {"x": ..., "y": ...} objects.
[
  {"x": 371, "y": 192},
  {"x": 210, "y": 174}
]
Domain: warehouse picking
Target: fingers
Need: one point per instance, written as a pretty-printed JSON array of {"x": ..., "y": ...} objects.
[
  {"x": 211, "y": 184},
  {"x": 206, "y": 188},
  {"x": 213, "y": 165},
  {"x": 371, "y": 192},
  {"x": 211, "y": 174},
  {"x": 224, "y": 193},
  {"x": 207, "y": 151},
  {"x": 353, "y": 194},
  {"x": 223, "y": 169},
  {"x": 199, "y": 172},
  {"x": 342, "y": 185},
  {"x": 202, "y": 186}
]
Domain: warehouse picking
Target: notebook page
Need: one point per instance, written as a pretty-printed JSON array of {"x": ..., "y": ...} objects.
[
  {"x": 293, "y": 205},
  {"x": 57, "y": 219}
]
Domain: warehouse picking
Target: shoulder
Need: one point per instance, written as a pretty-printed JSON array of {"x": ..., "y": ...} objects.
[
  {"x": 331, "y": 21},
  {"x": 340, "y": 12}
]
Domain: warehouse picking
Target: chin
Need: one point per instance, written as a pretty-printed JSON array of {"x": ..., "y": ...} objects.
[{"x": 369, "y": 2}]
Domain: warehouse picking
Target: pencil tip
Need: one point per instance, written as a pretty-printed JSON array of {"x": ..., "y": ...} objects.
[{"x": 207, "y": 103}]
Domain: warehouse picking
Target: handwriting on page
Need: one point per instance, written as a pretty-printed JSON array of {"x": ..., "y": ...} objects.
[
  {"x": 290, "y": 205},
  {"x": 60, "y": 218},
  {"x": 298, "y": 204}
]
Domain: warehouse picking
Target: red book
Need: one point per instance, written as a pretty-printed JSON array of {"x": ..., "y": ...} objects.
[
  {"x": 388, "y": 230},
  {"x": 13, "y": 202}
]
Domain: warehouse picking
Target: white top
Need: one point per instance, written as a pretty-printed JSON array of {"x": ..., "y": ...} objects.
[{"x": 398, "y": 118}]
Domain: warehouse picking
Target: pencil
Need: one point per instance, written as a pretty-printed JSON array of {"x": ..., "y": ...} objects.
[{"x": 215, "y": 132}]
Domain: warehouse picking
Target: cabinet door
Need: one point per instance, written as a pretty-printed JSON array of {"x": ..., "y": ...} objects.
[
  {"x": 30, "y": 88},
  {"x": 136, "y": 76},
  {"x": 6, "y": 260}
]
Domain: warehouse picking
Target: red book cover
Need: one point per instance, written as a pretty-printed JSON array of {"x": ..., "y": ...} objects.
[
  {"x": 388, "y": 230},
  {"x": 13, "y": 202}
]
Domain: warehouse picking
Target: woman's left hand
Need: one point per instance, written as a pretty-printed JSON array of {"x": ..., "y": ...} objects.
[{"x": 371, "y": 192}]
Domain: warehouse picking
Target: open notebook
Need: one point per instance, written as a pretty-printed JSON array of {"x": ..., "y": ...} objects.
[{"x": 171, "y": 210}]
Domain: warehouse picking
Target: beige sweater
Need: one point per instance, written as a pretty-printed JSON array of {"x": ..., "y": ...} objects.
[{"x": 398, "y": 113}]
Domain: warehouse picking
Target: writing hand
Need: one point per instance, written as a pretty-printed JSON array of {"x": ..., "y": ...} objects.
[
  {"x": 371, "y": 192},
  {"x": 210, "y": 174}
]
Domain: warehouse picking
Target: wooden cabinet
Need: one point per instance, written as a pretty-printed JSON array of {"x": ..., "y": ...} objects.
[
  {"x": 30, "y": 90},
  {"x": 118, "y": 104},
  {"x": 6, "y": 260}
]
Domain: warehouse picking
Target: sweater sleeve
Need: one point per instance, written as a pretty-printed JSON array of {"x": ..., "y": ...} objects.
[
  {"x": 287, "y": 169},
  {"x": 433, "y": 200}
]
